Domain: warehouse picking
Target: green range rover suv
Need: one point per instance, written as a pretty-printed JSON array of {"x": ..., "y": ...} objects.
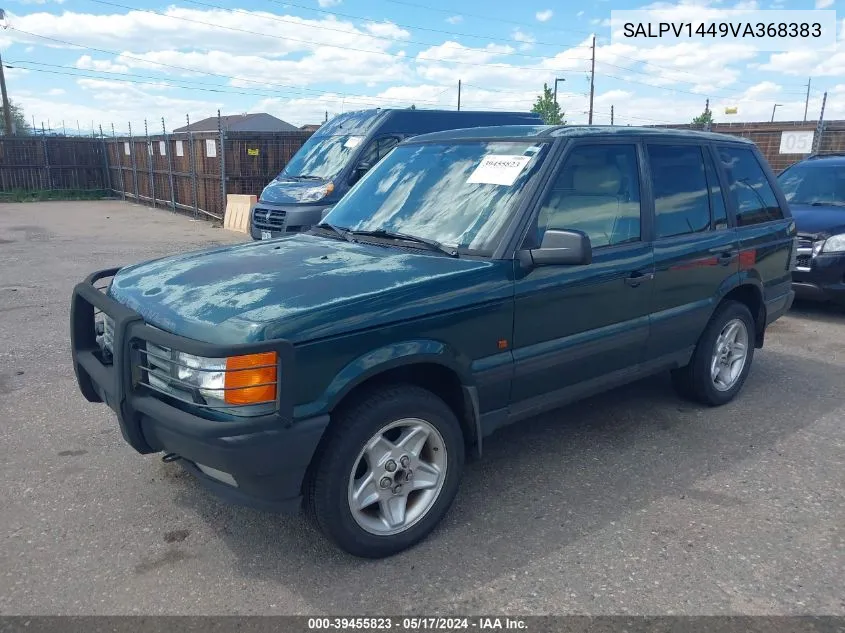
[{"x": 472, "y": 279}]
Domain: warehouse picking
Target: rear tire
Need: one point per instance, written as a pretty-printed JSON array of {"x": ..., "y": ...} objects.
[
  {"x": 404, "y": 434},
  {"x": 722, "y": 358}
]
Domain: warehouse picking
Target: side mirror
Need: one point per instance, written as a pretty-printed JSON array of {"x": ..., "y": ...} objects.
[
  {"x": 360, "y": 169},
  {"x": 559, "y": 248}
]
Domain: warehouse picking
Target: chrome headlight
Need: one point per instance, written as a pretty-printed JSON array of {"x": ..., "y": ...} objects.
[
  {"x": 208, "y": 375},
  {"x": 246, "y": 380},
  {"x": 834, "y": 244},
  {"x": 315, "y": 194}
]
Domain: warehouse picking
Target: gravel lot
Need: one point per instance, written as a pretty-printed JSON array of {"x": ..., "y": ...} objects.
[{"x": 633, "y": 502}]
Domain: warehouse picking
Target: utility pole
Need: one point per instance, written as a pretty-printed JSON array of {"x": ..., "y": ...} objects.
[
  {"x": 611, "y": 115},
  {"x": 459, "y": 95},
  {"x": 557, "y": 81},
  {"x": 817, "y": 141},
  {"x": 807, "y": 101},
  {"x": 592, "y": 80},
  {"x": 7, "y": 107},
  {"x": 707, "y": 115}
]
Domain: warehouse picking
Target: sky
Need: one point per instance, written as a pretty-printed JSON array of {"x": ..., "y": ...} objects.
[{"x": 80, "y": 64}]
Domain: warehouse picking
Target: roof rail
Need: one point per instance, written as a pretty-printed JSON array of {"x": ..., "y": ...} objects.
[{"x": 825, "y": 155}]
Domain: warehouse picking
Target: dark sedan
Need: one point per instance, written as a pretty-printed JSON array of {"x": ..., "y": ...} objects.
[{"x": 815, "y": 189}]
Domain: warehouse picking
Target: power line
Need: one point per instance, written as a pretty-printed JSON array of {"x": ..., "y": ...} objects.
[
  {"x": 398, "y": 56},
  {"x": 311, "y": 43},
  {"x": 365, "y": 99},
  {"x": 490, "y": 18},
  {"x": 191, "y": 70},
  {"x": 419, "y": 28}
]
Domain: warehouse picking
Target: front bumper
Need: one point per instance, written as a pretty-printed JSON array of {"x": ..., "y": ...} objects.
[
  {"x": 822, "y": 280},
  {"x": 267, "y": 456},
  {"x": 267, "y": 221}
]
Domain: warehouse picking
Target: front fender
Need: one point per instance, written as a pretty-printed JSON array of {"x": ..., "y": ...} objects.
[{"x": 383, "y": 359}]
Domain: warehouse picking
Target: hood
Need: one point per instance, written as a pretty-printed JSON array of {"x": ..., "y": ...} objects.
[
  {"x": 290, "y": 191},
  {"x": 818, "y": 221},
  {"x": 300, "y": 287}
]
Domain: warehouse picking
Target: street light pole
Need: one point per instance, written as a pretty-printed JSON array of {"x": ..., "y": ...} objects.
[{"x": 773, "y": 111}]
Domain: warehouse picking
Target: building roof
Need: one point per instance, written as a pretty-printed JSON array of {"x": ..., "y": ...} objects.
[{"x": 256, "y": 122}]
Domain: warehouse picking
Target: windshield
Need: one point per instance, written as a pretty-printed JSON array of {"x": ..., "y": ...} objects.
[
  {"x": 459, "y": 195},
  {"x": 814, "y": 183},
  {"x": 321, "y": 157}
]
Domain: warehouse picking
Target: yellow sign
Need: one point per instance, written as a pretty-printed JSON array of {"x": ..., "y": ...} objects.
[
  {"x": 730, "y": 110},
  {"x": 252, "y": 151}
]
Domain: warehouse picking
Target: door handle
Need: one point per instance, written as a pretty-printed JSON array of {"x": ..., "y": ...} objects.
[
  {"x": 636, "y": 278},
  {"x": 726, "y": 258}
]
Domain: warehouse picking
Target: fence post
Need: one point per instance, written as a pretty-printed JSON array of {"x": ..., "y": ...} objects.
[
  {"x": 120, "y": 160},
  {"x": 150, "y": 156},
  {"x": 105, "y": 159},
  {"x": 222, "y": 162},
  {"x": 193, "y": 166},
  {"x": 49, "y": 176},
  {"x": 169, "y": 165},
  {"x": 134, "y": 164}
]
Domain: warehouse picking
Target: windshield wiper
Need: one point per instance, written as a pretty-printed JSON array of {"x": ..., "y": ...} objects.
[
  {"x": 433, "y": 245},
  {"x": 343, "y": 232}
]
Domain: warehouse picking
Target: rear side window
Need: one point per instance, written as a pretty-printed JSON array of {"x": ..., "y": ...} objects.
[
  {"x": 681, "y": 199},
  {"x": 748, "y": 187}
]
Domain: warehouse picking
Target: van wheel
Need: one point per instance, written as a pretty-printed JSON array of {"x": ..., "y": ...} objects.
[
  {"x": 389, "y": 471},
  {"x": 722, "y": 358}
]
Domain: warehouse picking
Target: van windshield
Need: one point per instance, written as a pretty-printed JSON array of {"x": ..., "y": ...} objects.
[
  {"x": 460, "y": 195},
  {"x": 321, "y": 157},
  {"x": 814, "y": 183}
]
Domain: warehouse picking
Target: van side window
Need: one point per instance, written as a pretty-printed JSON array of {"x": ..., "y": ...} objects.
[
  {"x": 718, "y": 209},
  {"x": 597, "y": 191},
  {"x": 681, "y": 200},
  {"x": 749, "y": 188},
  {"x": 378, "y": 149}
]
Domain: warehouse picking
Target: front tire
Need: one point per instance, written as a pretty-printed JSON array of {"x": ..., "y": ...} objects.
[
  {"x": 721, "y": 360},
  {"x": 389, "y": 471}
]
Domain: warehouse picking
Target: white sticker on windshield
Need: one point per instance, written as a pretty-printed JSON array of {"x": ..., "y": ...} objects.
[
  {"x": 353, "y": 141},
  {"x": 499, "y": 169}
]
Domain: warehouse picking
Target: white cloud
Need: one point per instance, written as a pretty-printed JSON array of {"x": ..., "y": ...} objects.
[
  {"x": 40, "y": 1},
  {"x": 526, "y": 40},
  {"x": 579, "y": 14},
  {"x": 300, "y": 73},
  {"x": 455, "y": 19},
  {"x": 86, "y": 62},
  {"x": 600, "y": 22},
  {"x": 55, "y": 92},
  {"x": 824, "y": 4},
  {"x": 328, "y": 3},
  {"x": 544, "y": 16}
]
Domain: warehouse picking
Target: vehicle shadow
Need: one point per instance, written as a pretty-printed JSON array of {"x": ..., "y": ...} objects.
[
  {"x": 818, "y": 311},
  {"x": 540, "y": 486}
]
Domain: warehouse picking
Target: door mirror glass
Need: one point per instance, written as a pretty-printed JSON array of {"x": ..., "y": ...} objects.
[{"x": 562, "y": 248}]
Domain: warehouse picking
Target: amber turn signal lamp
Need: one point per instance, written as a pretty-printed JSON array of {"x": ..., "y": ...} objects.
[{"x": 251, "y": 379}]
